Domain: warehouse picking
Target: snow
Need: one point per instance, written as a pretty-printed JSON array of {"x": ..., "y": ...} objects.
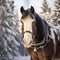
[
  {"x": 22, "y": 58},
  {"x": 53, "y": 26}
]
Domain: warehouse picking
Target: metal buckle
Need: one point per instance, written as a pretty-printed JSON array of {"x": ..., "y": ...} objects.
[{"x": 35, "y": 49}]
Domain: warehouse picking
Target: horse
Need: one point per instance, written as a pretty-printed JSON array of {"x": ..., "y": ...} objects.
[{"x": 39, "y": 37}]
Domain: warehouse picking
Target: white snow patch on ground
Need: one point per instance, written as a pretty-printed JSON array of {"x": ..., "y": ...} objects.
[{"x": 22, "y": 58}]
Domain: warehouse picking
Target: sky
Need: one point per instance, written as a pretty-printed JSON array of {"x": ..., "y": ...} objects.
[{"x": 35, "y": 3}]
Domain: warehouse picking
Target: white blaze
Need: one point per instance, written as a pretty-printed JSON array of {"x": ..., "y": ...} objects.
[{"x": 27, "y": 27}]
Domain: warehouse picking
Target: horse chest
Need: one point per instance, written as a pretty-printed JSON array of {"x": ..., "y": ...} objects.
[{"x": 39, "y": 55}]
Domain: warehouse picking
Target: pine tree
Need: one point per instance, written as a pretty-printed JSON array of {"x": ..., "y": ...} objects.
[
  {"x": 45, "y": 6},
  {"x": 46, "y": 10},
  {"x": 10, "y": 37},
  {"x": 2, "y": 47},
  {"x": 9, "y": 34},
  {"x": 2, "y": 12},
  {"x": 56, "y": 15},
  {"x": 9, "y": 7}
]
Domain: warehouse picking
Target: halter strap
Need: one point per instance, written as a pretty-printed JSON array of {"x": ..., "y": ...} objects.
[
  {"x": 27, "y": 32},
  {"x": 42, "y": 43},
  {"x": 39, "y": 44}
]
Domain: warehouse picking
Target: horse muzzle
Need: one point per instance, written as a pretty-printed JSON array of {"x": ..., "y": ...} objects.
[{"x": 26, "y": 44}]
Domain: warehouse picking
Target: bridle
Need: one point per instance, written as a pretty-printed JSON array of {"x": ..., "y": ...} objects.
[{"x": 41, "y": 44}]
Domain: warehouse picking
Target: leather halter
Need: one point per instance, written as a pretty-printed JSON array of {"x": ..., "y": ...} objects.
[{"x": 41, "y": 44}]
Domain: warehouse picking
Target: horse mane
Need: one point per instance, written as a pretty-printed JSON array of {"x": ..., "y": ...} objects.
[{"x": 42, "y": 27}]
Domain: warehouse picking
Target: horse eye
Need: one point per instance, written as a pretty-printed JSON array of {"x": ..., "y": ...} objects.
[{"x": 34, "y": 24}]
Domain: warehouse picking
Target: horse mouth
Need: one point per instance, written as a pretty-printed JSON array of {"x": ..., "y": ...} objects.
[{"x": 26, "y": 45}]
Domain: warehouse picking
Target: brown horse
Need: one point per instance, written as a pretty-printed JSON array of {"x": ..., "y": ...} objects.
[{"x": 41, "y": 40}]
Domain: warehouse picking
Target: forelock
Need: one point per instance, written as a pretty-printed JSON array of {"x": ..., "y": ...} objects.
[{"x": 27, "y": 13}]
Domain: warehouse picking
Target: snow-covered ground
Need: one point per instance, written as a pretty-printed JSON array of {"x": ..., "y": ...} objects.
[{"x": 22, "y": 58}]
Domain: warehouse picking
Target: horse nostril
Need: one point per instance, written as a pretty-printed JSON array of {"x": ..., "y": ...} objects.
[{"x": 26, "y": 43}]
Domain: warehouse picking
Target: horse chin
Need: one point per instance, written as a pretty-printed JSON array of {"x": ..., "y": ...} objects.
[{"x": 27, "y": 46}]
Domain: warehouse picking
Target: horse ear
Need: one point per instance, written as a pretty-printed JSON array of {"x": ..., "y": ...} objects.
[
  {"x": 22, "y": 10},
  {"x": 32, "y": 10}
]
